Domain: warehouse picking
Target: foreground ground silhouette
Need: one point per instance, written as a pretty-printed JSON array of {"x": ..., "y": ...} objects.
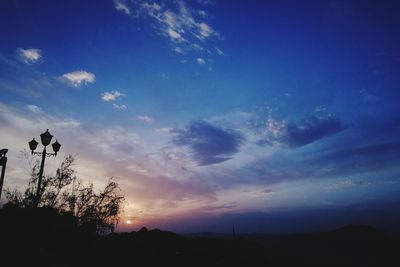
[{"x": 43, "y": 237}]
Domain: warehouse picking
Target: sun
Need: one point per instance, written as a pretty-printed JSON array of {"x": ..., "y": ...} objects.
[{"x": 128, "y": 222}]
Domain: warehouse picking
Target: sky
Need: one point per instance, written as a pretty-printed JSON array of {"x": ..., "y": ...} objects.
[{"x": 274, "y": 116}]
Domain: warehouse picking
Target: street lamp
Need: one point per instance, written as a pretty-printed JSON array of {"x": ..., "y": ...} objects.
[
  {"x": 3, "y": 163},
  {"x": 45, "y": 138}
]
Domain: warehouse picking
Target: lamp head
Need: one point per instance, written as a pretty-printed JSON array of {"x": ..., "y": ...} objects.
[
  {"x": 56, "y": 146},
  {"x": 3, "y": 152},
  {"x": 46, "y": 138},
  {"x": 33, "y": 144}
]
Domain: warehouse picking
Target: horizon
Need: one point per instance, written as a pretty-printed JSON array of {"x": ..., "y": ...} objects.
[{"x": 277, "y": 117}]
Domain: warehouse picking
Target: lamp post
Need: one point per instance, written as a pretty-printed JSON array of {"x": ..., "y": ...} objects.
[
  {"x": 3, "y": 163},
  {"x": 45, "y": 139}
]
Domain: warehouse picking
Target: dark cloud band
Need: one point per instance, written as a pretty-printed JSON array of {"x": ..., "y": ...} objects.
[{"x": 209, "y": 144}]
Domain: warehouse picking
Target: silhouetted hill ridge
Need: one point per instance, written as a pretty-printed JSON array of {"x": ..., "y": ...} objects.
[
  {"x": 356, "y": 228},
  {"x": 43, "y": 238},
  {"x": 346, "y": 229}
]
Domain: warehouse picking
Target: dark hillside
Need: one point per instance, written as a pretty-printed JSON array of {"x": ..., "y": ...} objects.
[{"x": 42, "y": 237}]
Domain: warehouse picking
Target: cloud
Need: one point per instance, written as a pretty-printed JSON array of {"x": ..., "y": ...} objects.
[
  {"x": 205, "y": 30},
  {"x": 76, "y": 78},
  {"x": 202, "y": 13},
  {"x": 145, "y": 118},
  {"x": 155, "y": 185},
  {"x": 179, "y": 50},
  {"x": 164, "y": 130},
  {"x": 220, "y": 52},
  {"x": 121, "y": 5},
  {"x": 36, "y": 120},
  {"x": 115, "y": 141},
  {"x": 111, "y": 96},
  {"x": 348, "y": 183},
  {"x": 167, "y": 178},
  {"x": 275, "y": 128},
  {"x": 196, "y": 47},
  {"x": 333, "y": 161},
  {"x": 175, "y": 36},
  {"x": 122, "y": 106},
  {"x": 206, "y": 2},
  {"x": 268, "y": 191},
  {"x": 309, "y": 130},
  {"x": 369, "y": 151},
  {"x": 182, "y": 24},
  {"x": 67, "y": 123},
  {"x": 34, "y": 108},
  {"x": 22, "y": 80},
  {"x": 29, "y": 56},
  {"x": 359, "y": 159},
  {"x": 209, "y": 144},
  {"x": 201, "y": 61}
]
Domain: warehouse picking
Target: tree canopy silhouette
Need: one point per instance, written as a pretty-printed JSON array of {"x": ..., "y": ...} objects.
[{"x": 97, "y": 211}]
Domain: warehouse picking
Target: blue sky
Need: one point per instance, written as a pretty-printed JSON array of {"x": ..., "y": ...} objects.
[{"x": 213, "y": 112}]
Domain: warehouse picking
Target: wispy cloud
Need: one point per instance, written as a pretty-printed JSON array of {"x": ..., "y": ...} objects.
[
  {"x": 111, "y": 96},
  {"x": 345, "y": 184},
  {"x": 182, "y": 24},
  {"x": 67, "y": 123},
  {"x": 175, "y": 36},
  {"x": 145, "y": 118},
  {"x": 36, "y": 119},
  {"x": 29, "y": 56},
  {"x": 356, "y": 157},
  {"x": 220, "y": 52},
  {"x": 201, "y": 61},
  {"x": 164, "y": 130},
  {"x": 206, "y": 2},
  {"x": 202, "y": 13},
  {"x": 205, "y": 31},
  {"x": 76, "y": 78},
  {"x": 122, "y": 106},
  {"x": 22, "y": 79},
  {"x": 34, "y": 108},
  {"x": 179, "y": 50},
  {"x": 121, "y": 5}
]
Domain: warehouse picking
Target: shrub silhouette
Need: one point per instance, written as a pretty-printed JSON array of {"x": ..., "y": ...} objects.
[{"x": 65, "y": 193}]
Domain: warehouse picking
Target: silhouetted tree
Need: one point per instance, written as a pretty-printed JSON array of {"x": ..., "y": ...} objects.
[{"x": 96, "y": 211}]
